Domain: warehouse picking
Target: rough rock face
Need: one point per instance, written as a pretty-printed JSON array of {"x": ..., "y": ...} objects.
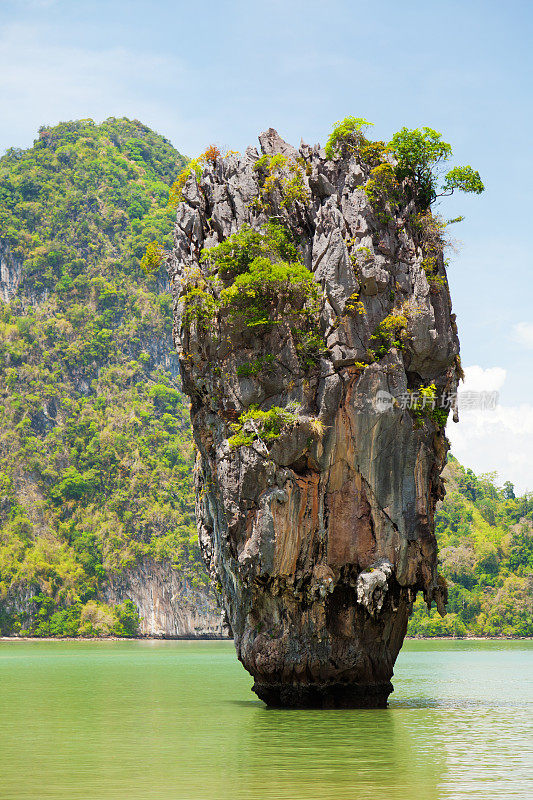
[
  {"x": 10, "y": 273},
  {"x": 320, "y": 535},
  {"x": 168, "y": 607},
  {"x": 18, "y": 601}
]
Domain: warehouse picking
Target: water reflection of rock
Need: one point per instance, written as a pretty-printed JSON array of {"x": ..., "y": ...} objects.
[{"x": 332, "y": 754}]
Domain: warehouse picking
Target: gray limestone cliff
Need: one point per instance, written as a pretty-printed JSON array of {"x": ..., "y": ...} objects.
[
  {"x": 315, "y": 412},
  {"x": 10, "y": 272},
  {"x": 169, "y": 607}
]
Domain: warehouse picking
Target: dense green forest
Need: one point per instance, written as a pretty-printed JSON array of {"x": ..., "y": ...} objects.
[
  {"x": 485, "y": 537},
  {"x": 95, "y": 443}
]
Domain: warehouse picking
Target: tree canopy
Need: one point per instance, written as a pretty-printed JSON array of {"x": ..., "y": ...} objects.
[{"x": 94, "y": 436}]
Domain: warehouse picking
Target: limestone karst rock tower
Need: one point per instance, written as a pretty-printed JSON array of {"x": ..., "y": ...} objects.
[{"x": 312, "y": 309}]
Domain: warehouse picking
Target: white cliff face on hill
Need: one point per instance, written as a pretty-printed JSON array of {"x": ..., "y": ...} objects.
[
  {"x": 169, "y": 607},
  {"x": 10, "y": 273},
  {"x": 316, "y": 484}
]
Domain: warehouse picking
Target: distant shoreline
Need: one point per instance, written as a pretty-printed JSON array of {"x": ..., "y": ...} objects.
[
  {"x": 470, "y": 638},
  {"x": 229, "y": 639},
  {"x": 115, "y": 639}
]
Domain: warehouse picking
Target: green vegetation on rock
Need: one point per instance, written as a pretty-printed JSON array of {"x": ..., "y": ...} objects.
[
  {"x": 265, "y": 283},
  {"x": 236, "y": 253},
  {"x": 419, "y": 154},
  {"x": 389, "y": 333},
  {"x": 426, "y": 404},
  {"x": 346, "y": 137},
  {"x": 286, "y": 287},
  {"x": 256, "y": 424},
  {"x": 282, "y": 177},
  {"x": 411, "y": 162}
]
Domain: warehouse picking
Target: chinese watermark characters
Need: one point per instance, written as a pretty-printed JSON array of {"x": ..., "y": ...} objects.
[{"x": 427, "y": 401}]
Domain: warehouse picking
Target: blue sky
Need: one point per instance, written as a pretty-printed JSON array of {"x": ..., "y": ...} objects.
[{"x": 223, "y": 71}]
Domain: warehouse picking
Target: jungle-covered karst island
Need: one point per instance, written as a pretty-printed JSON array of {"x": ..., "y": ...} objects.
[{"x": 306, "y": 282}]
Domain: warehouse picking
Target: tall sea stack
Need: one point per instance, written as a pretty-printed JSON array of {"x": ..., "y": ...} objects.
[{"x": 317, "y": 345}]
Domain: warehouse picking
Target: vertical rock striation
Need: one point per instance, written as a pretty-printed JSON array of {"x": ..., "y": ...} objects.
[
  {"x": 169, "y": 607},
  {"x": 316, "y": 484},
  {"x": 10, "y": 272}
]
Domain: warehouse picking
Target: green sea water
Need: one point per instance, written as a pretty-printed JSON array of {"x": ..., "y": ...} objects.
[{"x": 177, "y": 721}]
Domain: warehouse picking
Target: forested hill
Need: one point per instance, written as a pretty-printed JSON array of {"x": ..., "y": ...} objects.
[
  {"x": 95, "y": 446},
  {"x": 485, "y": 537}
]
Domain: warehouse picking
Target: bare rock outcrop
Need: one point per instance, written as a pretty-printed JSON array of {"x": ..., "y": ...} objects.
[
  {"x": 315, "y": 409},
  {"x": 169, "y": 607},
  {"x": 10, "y": 272}
]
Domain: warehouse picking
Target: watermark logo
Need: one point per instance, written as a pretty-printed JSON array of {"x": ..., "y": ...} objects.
[
  {"x": 420, "y": 401},
  {"x": 383, "y": 401},
  {"x": 480, "y": 401}
]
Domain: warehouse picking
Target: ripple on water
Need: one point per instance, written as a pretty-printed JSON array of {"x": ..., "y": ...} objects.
[{"x": 176, "y": 720}]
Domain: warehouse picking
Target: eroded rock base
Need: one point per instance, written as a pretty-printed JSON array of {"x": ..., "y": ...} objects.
[{"x": 327, "y": 695}]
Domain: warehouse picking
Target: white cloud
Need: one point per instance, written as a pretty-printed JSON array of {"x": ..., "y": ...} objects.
[
  {"x": 478, "y": 379},
  {"x": 44, "y": 83},
  {"x": 498, "y": 440},
  {"x": 523, "y": 333}
]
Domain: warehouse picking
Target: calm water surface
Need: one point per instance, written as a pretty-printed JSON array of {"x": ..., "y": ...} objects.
[{"x": 177, "y": 721}]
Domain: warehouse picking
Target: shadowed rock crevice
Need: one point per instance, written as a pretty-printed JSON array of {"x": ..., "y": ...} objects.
[{"x": 316, "y": 485}]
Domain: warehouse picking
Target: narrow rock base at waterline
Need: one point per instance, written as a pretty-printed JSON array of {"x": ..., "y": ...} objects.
[{"x": 324, "y": 695}]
